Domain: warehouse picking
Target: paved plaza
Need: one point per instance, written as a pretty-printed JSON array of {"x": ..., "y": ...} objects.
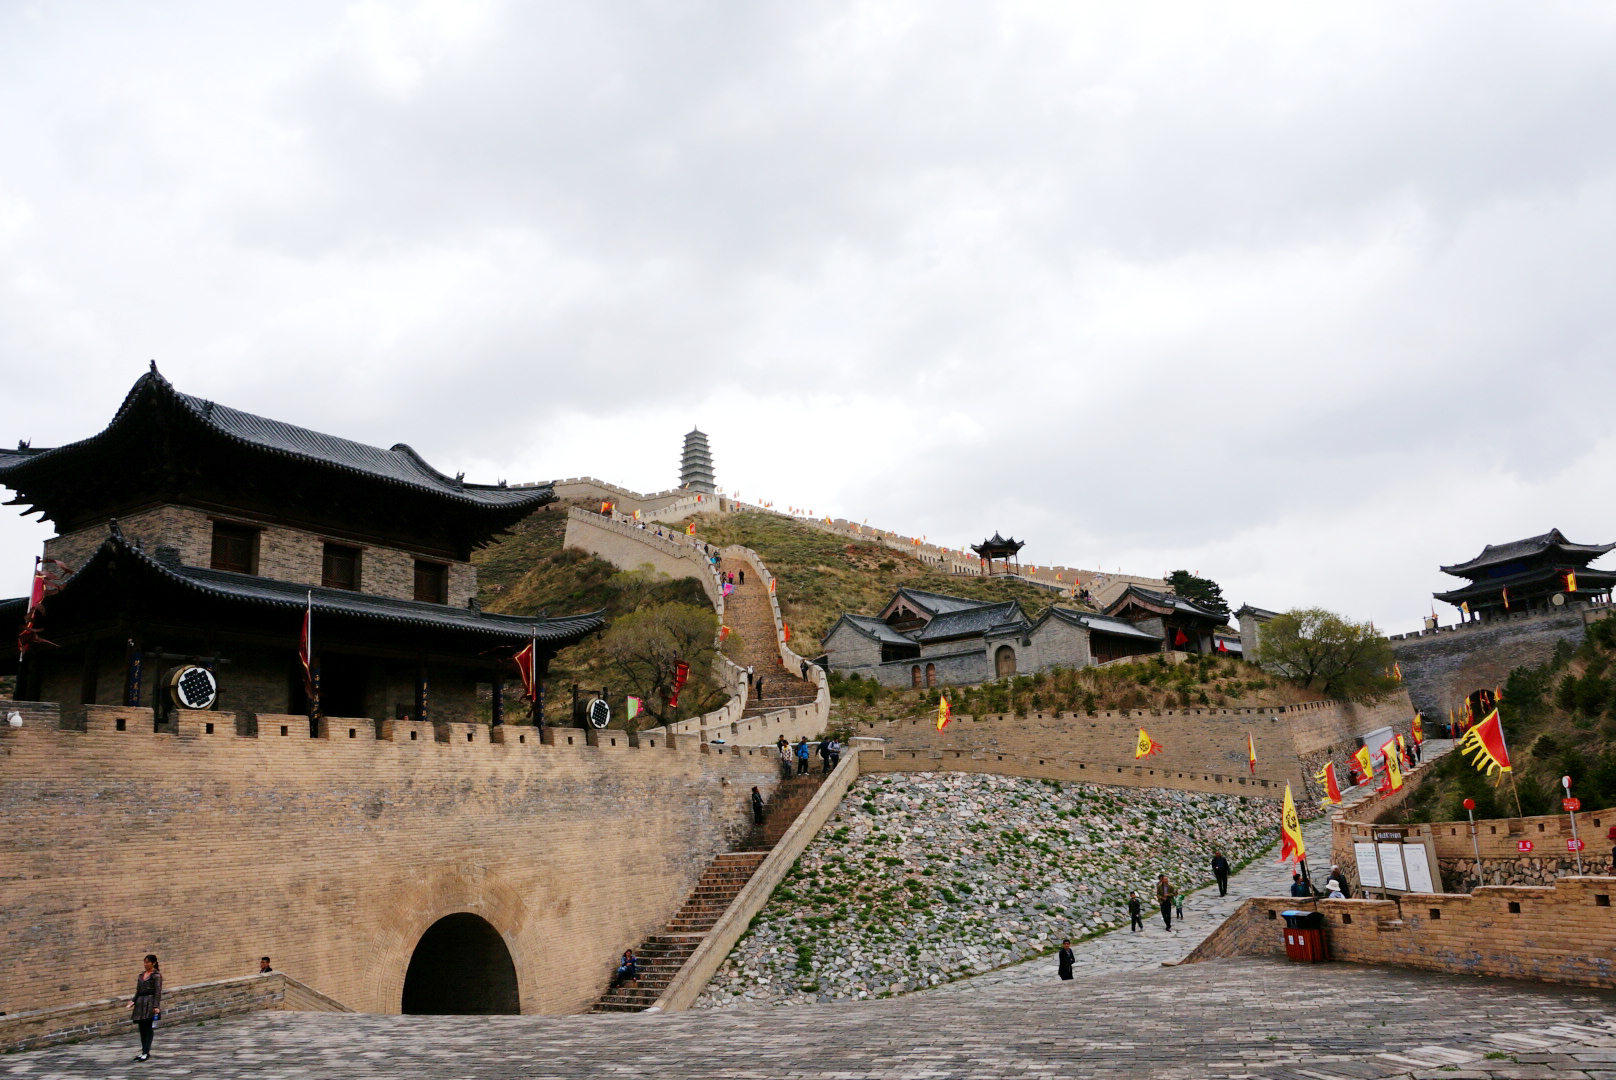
[{"x": 1240, "y": 1018}]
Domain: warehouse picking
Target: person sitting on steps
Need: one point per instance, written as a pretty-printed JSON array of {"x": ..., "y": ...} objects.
[{"x": 628, "y": 968}]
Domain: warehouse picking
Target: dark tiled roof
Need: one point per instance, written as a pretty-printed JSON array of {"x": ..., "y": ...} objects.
[
  {"x": 247, "y": 588},
  {"x": 1167, "y": 600},
  {"x": 938, "y": 603},
  {"x": 1101, "y": 624},
  {"x": 1260, "y": 614},
  {"x": 1493, "y": 554},
  {"x": 399, "y": 465},
  {"x": 871, "y": 627},
  {"x": 976, "y": 620},
  {"x": 1491, "y": 589}
]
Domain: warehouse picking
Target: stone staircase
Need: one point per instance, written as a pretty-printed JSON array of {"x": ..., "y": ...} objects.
[
  {"x": 747, "y": 612},
  {"x": 662, "y": 955},
  {"x": 789, "y": 799}
]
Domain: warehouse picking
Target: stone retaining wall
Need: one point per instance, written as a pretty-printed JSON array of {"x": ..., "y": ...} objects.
[{"x": 1561, "y": 934}]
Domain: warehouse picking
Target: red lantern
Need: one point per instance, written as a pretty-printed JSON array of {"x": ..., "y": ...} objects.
[{"x": 1470, "y": 804}]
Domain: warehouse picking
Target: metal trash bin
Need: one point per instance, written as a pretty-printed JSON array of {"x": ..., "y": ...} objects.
[{"x": 1304, "y": 936}]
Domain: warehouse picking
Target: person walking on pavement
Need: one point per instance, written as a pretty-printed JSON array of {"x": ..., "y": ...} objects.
[
  {"x": 1164, "y": 897},
  {"x": 788, "y": 757},
  {"x": 1135, "y": 909},
  {"x": 1299, "y": 887},
  {"x": 835, "y": 753},
  {"x": 743, "y": 575},
  {"x": 824, "y": 755},
  {"x": 757, "y": 806},
  {"x": 802, "y": 755},
  {"x": 147, "y": 1005},
  {"x": 758, "y": 689},
  {"x": 1066, "y": 958},
  {"x": 749, "y": 676},
  {"x": 1178, "y": 906},
  {"x": 1220, "y": 870}
]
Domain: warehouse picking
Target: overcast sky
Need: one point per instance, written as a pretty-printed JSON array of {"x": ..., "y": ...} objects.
[{"x": 1307, "y": 299}]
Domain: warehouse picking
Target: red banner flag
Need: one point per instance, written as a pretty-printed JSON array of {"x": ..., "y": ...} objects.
[
  {"x": 1179, "y": 639},
  {"x": 681, "y": 673},
  {"x": 526, "y": 669},
  {"x": 1485, "y": 747},
  {"x": 1332, "y": 788},
  {"x": 305, "y": 649},
  {"x": 1251, "y": 753}
]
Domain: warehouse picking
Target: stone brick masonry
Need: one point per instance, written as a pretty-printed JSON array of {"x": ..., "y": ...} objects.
[{"x": 334, "y": 855}]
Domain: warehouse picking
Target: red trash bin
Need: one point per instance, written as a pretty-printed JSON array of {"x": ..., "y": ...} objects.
[{"x": 1304, "y": 937}]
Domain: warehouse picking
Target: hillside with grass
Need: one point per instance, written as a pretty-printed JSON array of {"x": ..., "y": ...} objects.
[
  {"x": 1559, "y": 720},
  {"x": 528, "y": 572},
  {"x": 821, "y": 575}
]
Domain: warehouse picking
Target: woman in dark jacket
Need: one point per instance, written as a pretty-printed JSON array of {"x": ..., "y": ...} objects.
[
  {"x": 148, "y": 1003},
  {"x": 757, "y": 807}
]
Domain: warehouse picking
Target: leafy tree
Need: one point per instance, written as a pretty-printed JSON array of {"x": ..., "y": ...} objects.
[
  {"x": 647, "y": 645},
  {"x": 1199, "y": 590},
  {"x": 1339, "y": 658}
]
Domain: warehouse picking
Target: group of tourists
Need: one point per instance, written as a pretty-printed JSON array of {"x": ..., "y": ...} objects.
[{"x": 795, "y": 757}]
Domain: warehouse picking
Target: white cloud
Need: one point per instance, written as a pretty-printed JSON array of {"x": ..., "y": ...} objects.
[{"x": 1309, "y": 300}]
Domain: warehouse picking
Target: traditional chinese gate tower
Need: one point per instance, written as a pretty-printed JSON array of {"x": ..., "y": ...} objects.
[{"x": 193, "y": 533}]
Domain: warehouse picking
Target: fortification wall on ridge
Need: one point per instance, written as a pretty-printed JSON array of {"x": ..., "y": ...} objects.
[{"x": 334, "y": 855}]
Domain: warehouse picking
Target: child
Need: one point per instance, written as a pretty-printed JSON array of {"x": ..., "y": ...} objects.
[{"x": 1134, "y": 910}]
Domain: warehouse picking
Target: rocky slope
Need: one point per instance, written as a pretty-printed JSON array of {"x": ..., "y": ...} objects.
[{"x": 924, "y": 878}]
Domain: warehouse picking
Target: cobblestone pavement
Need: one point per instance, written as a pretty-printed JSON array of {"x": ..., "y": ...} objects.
[{"x": 1236, "y": 1018}]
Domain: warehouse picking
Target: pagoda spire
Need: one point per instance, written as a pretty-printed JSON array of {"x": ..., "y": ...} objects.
[{"x": 696, "y": 466}]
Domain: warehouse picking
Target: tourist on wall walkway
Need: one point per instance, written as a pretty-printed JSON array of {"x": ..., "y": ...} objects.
[
  {"x": 1220, "y": 871},
  {"x": 788, "y": 757},
  {"x": 1067, "y": 958},
  {"x": 1135, "y": 909},
  {"x": 148, "y": 1003},
  {"x": 802, "y": 755},
  {"x": 1164, "y": 897},
  {"x": 757, "y": 806}
]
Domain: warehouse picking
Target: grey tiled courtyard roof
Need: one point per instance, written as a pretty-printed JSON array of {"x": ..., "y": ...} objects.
[
  {"x": 870, "y": 626},
  {"x": 1177, "y": 603},
  {"x": 976, "y": 620},
  {"x": 939, "y": 603},
  {"x": 1493, "y": 554},
  {"x": 1101, "y": 624}
]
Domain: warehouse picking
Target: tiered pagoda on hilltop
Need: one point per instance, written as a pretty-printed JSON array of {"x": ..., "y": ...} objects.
[
  {"x": 1529, "y": 575},
  {"x": 696, "y": 465},
  {"x": 190, "y": 533}
]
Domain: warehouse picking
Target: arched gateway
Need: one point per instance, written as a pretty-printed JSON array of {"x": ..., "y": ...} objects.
[{"x": 461, "y": 967}]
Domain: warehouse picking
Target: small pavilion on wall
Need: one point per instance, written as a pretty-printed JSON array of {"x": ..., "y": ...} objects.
[
  {"x": 998, "y": 548},
  {"x": 1534, "y": 574}
]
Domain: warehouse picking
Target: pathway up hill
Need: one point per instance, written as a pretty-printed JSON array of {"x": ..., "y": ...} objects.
[
  {"x": 748, "y": 613},
  {"x": 820, "y": 576}
]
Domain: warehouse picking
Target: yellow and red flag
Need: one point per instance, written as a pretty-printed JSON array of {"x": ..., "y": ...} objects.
[
  {"x": 1251, "y": 754},
  {"x": 1419, "y": 728},
  {"x": 1397, "y": 671},
  {"x": 1571, "y": 581},
  {"x": 785, "y": 631},
  {"x": 1484, "y": 745},
  {"x": 1146, "y": 746},
  {"x": 1332, "y": 787},
  {"x": 945, "y": 713},
  {"x": 1394, "y": 775},
  {"x": 1366, "y": 763},
  {"x": 771, "y": 586},
  {"x": 1290, "y": 831},
  {"x": 690, "y": 530},
  {"x": 1506, "y": 597},
  {"x": 723, "y": 634}
]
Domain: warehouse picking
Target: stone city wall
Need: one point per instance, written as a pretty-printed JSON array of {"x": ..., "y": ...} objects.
[
  {"x": 1444, "y": 665},
  {"x": 1561, "y": 934},
  {"x": 334, "y": 855},
  {"x": 1202, "y": 749}
]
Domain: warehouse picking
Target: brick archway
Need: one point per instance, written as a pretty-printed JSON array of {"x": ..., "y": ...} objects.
[{"x": 414, "y": 907}]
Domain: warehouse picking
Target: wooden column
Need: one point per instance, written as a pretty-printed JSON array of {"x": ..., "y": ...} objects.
[{"x": 498, "y": 691}]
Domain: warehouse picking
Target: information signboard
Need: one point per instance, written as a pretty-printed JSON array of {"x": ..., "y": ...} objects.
[
  {"x": 1419, "y": 868},
  {"x": 1368, "y": 872}
]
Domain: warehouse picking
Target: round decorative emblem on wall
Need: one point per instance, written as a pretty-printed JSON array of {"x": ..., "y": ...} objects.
[
  {"x": 600, "y": 713},
  {"x": 194, "y": 688}
]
